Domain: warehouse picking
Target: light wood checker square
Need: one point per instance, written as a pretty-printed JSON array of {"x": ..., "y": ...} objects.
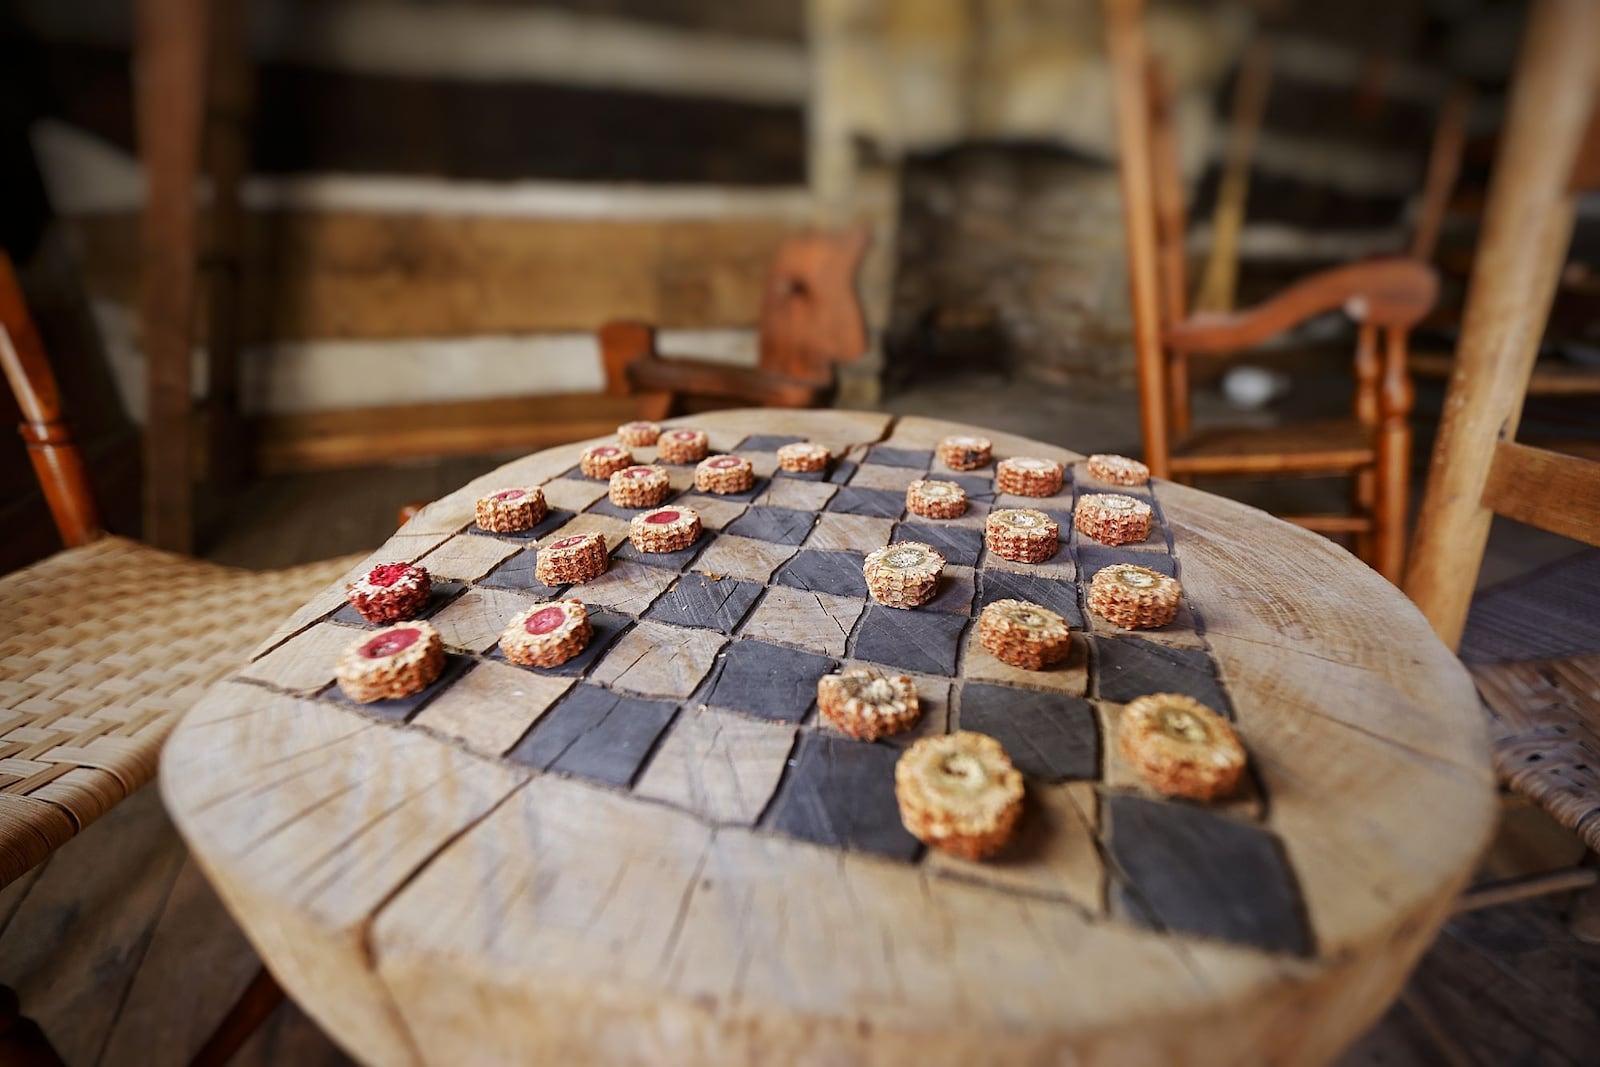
[
  {"x": 1246, "y": 802},
  {"x": 837, "y": 532},
  {"x": 1052, "y": 851},
  {"x": 798, "y": 493},
  {"x": 492, "y": 706},
  {"x": 817, "y": 622},
  {"x": 721, "y": 766},
  {"x": 476, "y": 618},
  {"x": 876, "y": 476},
  {"x": 615, "y": 531},
  {"x": 573, "y": 494},
  {"x": 626, "y": 586},
  {"x": 715, "y": 513},
  {"x": 657, "y": 660},
  {"x": 753, "y": 560},
  {"x": 466, "y": 557},
  {"x": 305, "y": 662},
  {"x": 1070, "y": 677}
]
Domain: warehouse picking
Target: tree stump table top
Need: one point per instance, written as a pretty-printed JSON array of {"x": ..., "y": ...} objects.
[{"x": 656, "y": 854}]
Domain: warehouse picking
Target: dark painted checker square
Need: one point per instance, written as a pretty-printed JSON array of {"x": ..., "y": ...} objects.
[
  {"x": 554, "y": 519},
  {"x": 402, "y": 709},
  {"x": 890, "y": 456},
  {"x": 758, "y": 487},
  {"x": 1197, "y": 872},
  {"x": 841, "y": 792},
  {"x": 838, "y": 573},
  {"x": 919, "y": 641},
  {"x": 1057, "y": 594},
  {"x": 853, "y": 500},
  {"x": 1047, "y": 735},
  {"x": 784, "y": 526},
  {"x": 838, "y": 472},
  {"x": 1093, "y": 557},
  {"x": 961, "y": 545},
  {"x": 979, "y": 489},
  {"x": 441, "y": 593},
  {"x": 596, "y": 734},
  {"x": 762, "y": 442},
  {"x": 517, "y": 572},
  {"x": 766, "y": 681},
  {"x": 702, "y": 601},
  {"x": 607, "y": 625},
  {"x": 1129, "y": 667},
  {"x": 604, "y": 506},
  {"x": 672, "y": 561},
  {"x": 955, "y": 594}
]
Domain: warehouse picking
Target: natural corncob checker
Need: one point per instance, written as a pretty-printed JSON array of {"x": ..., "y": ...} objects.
[
  {"x": 602, "y": 461},
  {"x": 1135, "y": 598},
  {"x": 963, "y": 453},
  {"x": 547, "y": 635},
  {"x": 1112, "y": 519},
  {"x": 394, "y": 662},
  {"x": 682, "y": 446},
  {"x": 390, "y": 592},
  {"x": 569, "y": 560},
  {"x": 1117, "y": 470},
  {"x": 903, "y": 575},
  {"x": 1021, "y": 535},
  {"x": 639, "y": 487},
  {"x": 935, "y": 499},
  {"x": 804, "y": 456},
  {"x": 638, "y": 434},
  {"x": 1022, "y": 476},
  {"x": 1180, "y": 747},
  {"x": 1024, "y": 635},
  {"x": 665, "y": 529},
  {"x": 868, "y": 705},
  {"x": 510, "y": 510},
  {"x": 724, "y": 474},
  {"x": 959, "y": 793}
]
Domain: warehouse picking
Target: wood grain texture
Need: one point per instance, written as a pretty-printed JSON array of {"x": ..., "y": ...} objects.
[
  {"x": 1546, "y": 489},
  {"x": 432, "y": 906}
]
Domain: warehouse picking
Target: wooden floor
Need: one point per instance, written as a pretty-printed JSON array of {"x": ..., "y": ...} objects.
[{"x": 121, "y": 952}]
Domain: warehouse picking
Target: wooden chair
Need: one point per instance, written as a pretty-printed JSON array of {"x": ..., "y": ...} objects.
[
  {"x": 1385, "y": 297},
  {"x": 1545, "y": 713},
  {"x": 811, "y": 320},
  {"x": 102, "y": 647}
]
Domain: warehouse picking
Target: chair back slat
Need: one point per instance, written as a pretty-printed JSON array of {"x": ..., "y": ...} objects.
[
  {"x": 57, "y": 461},
  {"x": 811, "y": 317},
  {"x": 1526, "y": 233},
  {"x": 1551, "y": 490}
]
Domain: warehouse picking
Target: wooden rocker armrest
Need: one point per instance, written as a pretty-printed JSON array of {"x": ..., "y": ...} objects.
[
  {"x": 699, "y": 377},
  {"x": 1395, "y": 293}
]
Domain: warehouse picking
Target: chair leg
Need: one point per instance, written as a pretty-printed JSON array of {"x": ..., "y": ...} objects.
[
  {"x": 258, "y": 1001},
  {"x": 21, "y": 1041},
  {"x": 1584, "y": 918}
]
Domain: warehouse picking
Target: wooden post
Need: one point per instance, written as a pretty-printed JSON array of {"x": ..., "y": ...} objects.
[
  {"x": 1396, "y": 395},
  {"x": 1126, "y": 43},
  {"x": 227, "y": 150},
  {"x": 1527, "y": 228},
  {"x": 169, "y": 89},
  {"x": 56, "y": 459},
  {"x": 1368, "y": 371}
]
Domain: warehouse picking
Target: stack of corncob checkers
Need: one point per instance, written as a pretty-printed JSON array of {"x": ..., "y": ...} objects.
[{"x": 958, "y": 792}]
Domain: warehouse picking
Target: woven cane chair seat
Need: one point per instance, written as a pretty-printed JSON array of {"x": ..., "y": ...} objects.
[{"x": 102, "y": 648}]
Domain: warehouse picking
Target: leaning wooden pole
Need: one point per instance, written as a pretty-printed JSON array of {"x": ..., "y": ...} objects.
[{"x": 1527, "y": 229}]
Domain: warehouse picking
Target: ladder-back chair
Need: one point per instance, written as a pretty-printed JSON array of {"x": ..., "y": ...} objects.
[
  {"x": 1545, "y": 713},
  {"x": 811, "y": 321},
  {"x": 1385, "y": 297}
]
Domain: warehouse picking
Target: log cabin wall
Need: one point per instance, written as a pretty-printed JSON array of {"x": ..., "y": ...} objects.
[{"x": 446, "y": 199}]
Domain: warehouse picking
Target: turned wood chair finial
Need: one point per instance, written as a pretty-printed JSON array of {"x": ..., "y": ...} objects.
[{"x": 57, "y": 461}]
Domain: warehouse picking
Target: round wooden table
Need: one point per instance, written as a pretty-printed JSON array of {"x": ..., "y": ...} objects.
[{"x": 654, "y": 854}]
